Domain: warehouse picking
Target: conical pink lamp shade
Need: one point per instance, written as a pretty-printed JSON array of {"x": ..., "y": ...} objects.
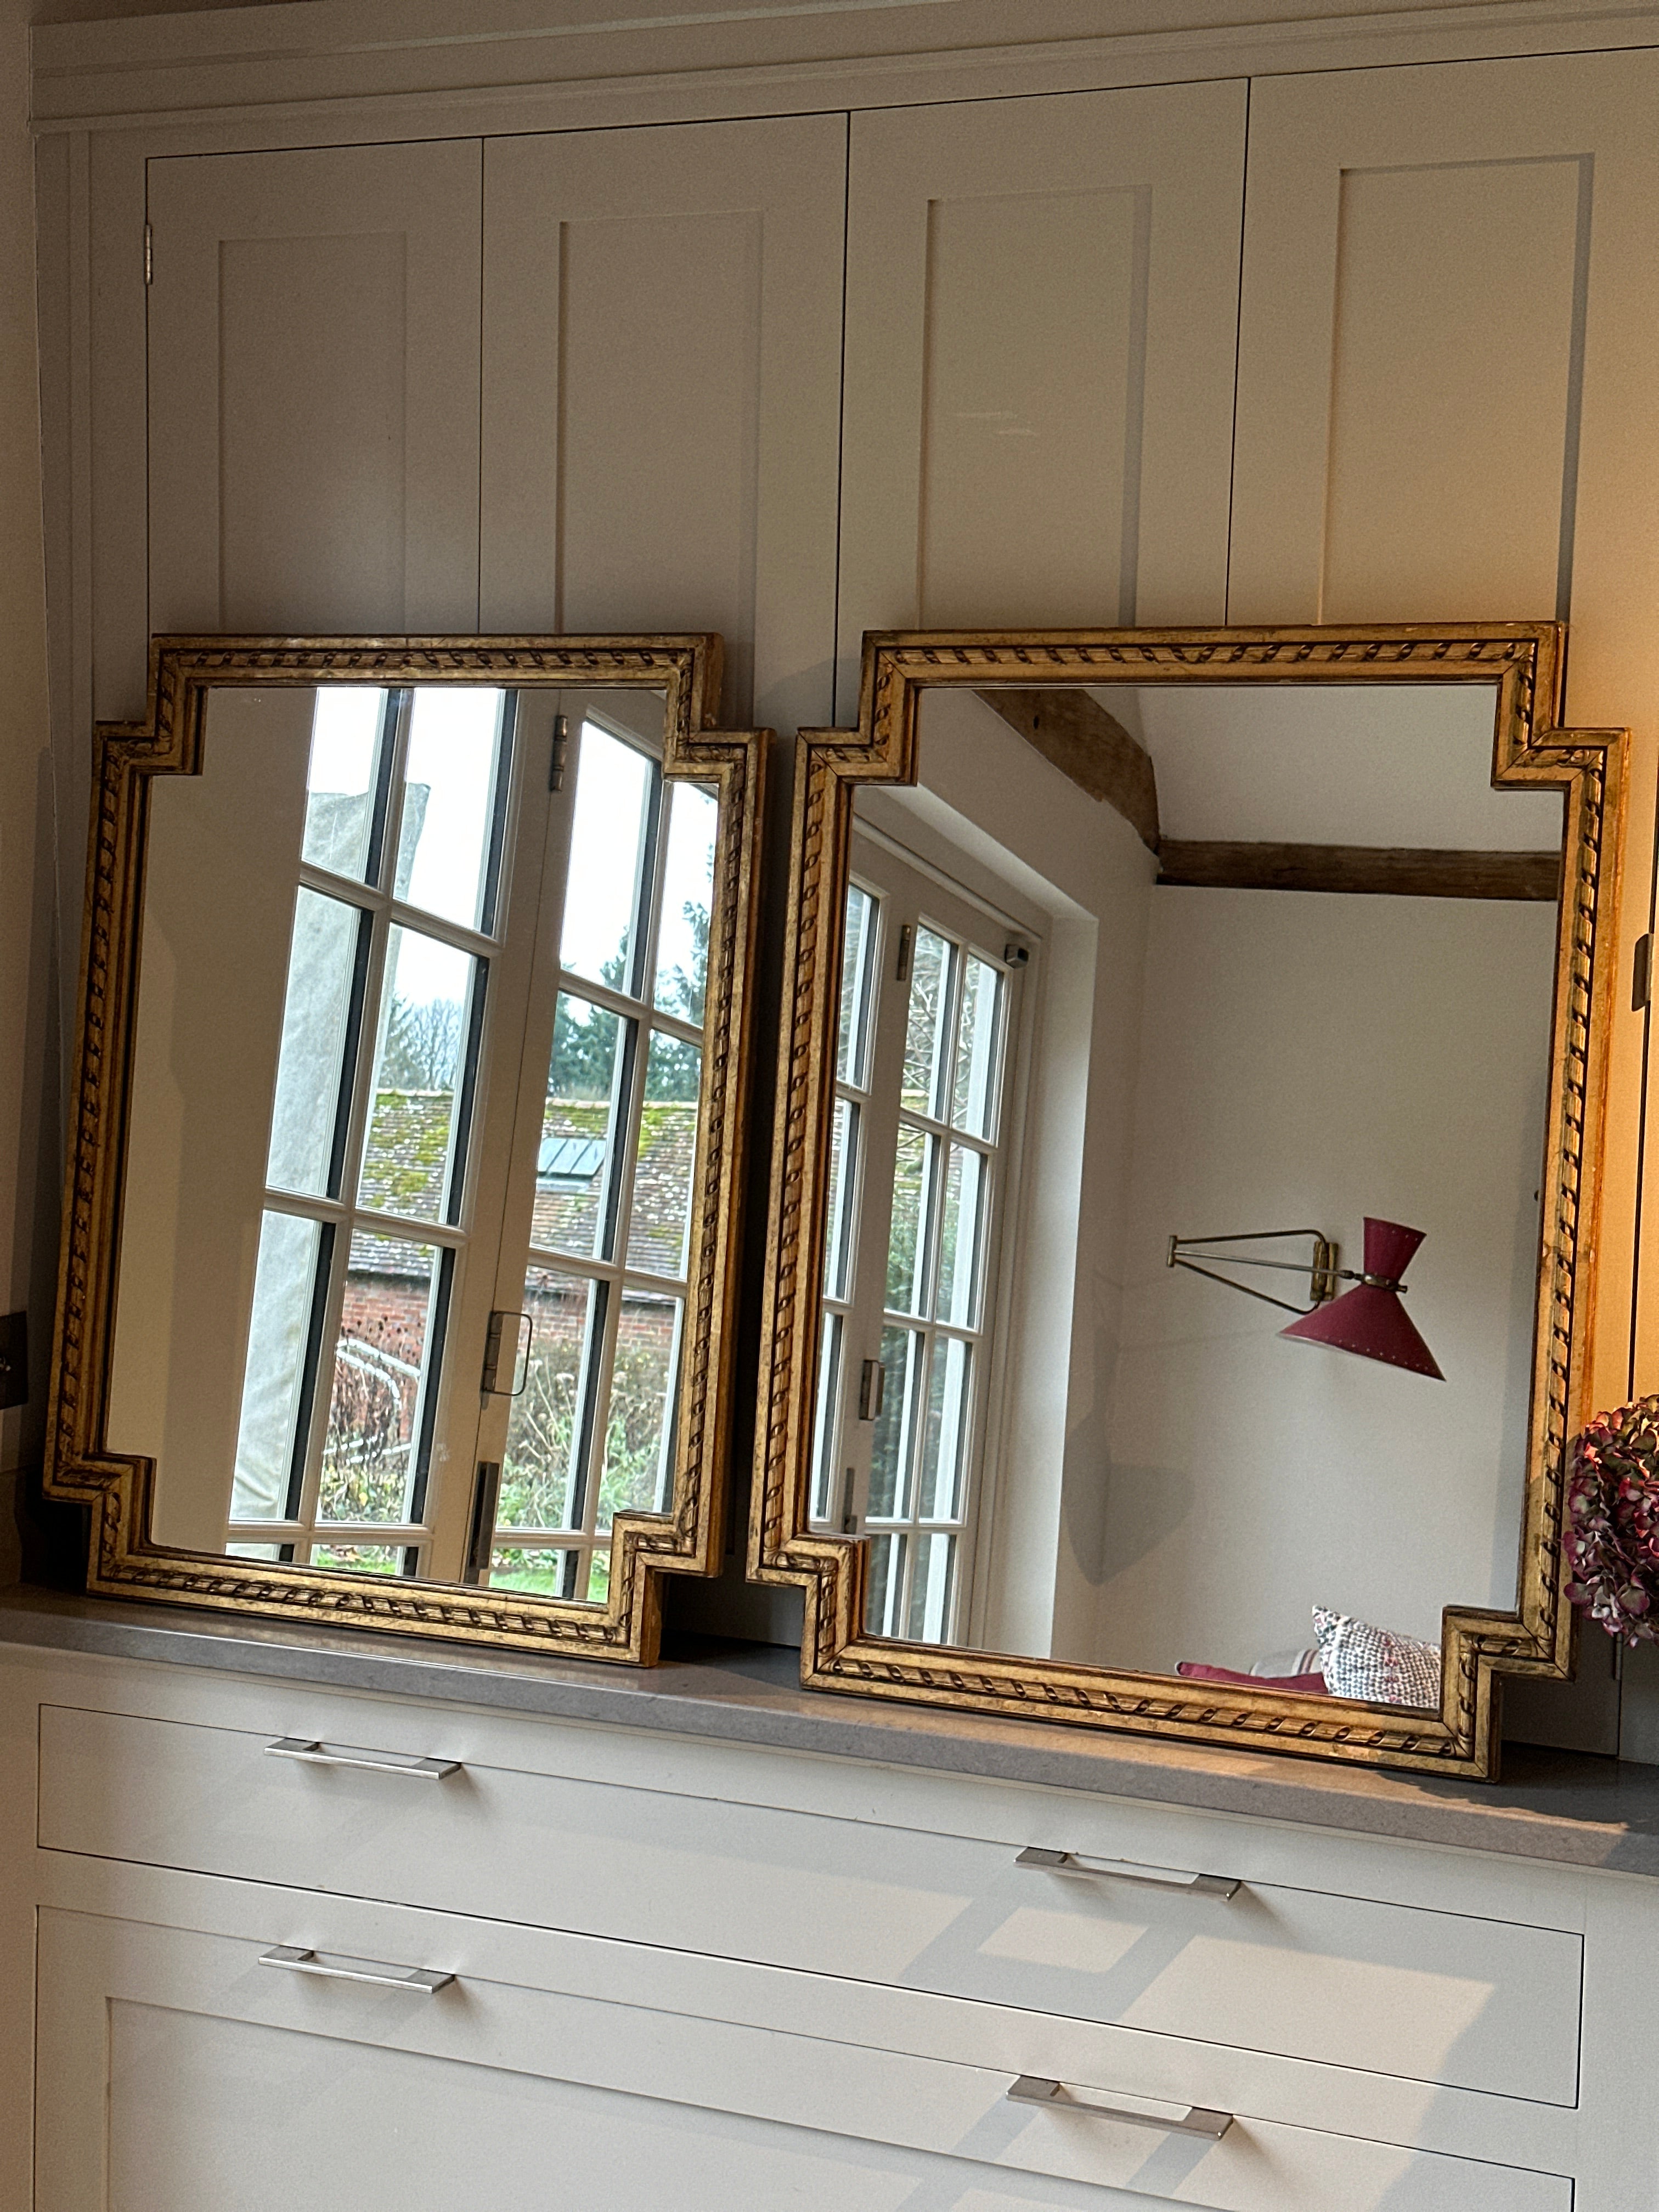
[{"x": 1369, "y": 1319}]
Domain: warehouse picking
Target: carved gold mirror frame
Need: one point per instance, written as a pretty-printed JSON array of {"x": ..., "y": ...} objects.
[
  {"x": 81, "y": 1468},
  {"x": 1523, "y": 663}
]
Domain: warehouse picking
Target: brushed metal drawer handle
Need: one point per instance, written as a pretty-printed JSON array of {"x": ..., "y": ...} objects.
[
  {"x": 312, "y": 1753},
  {"x": 1200, "y": 1885},
  {"x": 423, "y": 1980},
  {"x": 1196, "y": 2120}
]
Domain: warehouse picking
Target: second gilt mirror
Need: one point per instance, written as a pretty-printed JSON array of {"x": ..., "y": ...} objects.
[
  {"x": 401, "y": 1250},
  {"x": 1159, "y": 994}
]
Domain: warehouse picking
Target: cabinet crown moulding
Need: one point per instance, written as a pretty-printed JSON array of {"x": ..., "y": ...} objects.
[{"x": 345, "y": 54}]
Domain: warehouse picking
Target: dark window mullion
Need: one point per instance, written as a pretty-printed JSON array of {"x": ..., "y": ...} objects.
[
  {"x": 320, "y": 1287},
  {"x": 590, "y": 1427}
]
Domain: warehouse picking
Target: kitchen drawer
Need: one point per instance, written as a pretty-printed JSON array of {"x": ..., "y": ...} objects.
[
  {"x": 1444, "y": 1997},
  {"x": 223, "y": 2079}
]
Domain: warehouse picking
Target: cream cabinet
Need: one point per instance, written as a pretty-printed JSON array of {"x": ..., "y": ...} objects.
[
  {"x": 583, "y": 382},
  {"x": 1448, "y": 406},
  {"x": 314, "y": 390},
  {"x": 1041, "y": 320},
  {"x": 305, "y": 1947}
]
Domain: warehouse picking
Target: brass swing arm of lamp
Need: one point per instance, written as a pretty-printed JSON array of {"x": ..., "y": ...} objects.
[
  {"x": 1321, "y": 1270},
  {"x": 1368, "y": 1319}
]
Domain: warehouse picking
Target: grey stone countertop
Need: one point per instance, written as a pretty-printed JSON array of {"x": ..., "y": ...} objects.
[{"x": 1557, "y": 1805}]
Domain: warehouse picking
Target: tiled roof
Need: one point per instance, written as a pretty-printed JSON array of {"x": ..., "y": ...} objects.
[{"x": 405, "y": 1174}]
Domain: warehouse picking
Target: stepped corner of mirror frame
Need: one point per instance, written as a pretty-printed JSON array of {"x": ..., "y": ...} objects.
[
  {"x": 1122, "y": 741},
  {"x": 470, "y": 793}
]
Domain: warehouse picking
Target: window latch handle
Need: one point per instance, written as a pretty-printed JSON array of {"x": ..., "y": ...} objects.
[
  {"x": 523, "y": 1336},
  {"x": 872, "y": 1389}
]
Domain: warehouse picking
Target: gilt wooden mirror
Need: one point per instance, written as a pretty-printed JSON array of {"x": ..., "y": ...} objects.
[
  {"x": 1156, "y": 994},
  {"x": 400, "y": 1241}
]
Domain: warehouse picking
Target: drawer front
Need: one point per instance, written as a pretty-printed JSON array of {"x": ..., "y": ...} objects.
[
  {"x": 373, "y": 2095},
  {"x": 1436, "y": 1996}
]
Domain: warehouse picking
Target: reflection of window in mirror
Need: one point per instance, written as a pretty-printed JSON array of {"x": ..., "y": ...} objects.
[
  {"x": 1299, "y": 969},
  {"x": 924, "y": 1162},
  {"x": 591, "y": 1430},
  {"x": 479, "y": 1056}
]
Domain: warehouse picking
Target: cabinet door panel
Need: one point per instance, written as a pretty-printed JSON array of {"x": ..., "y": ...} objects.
[
  {"x": 1448, "y": 385},
  {"x": 662, "y": 320},
  {"x": 313, "y": 378},
  {"x": 221, "y": 2083},
  {"x": 1041, "y": 324}
]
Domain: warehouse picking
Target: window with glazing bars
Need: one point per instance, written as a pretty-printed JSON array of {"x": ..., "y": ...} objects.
[
  {"x": 918, "y": 1167},
  {"x": 395, "y": 929},
  {"x": 591, "y": 1429}
]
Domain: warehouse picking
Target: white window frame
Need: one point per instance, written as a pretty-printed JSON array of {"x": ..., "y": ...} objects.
[
  {"x": 581, "y": 1542},
  {"x": 911, "y": 891}
]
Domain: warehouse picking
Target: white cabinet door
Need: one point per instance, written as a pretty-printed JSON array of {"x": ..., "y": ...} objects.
[
  {"x": 1041, "y": 305},
  {"x": 184, "y": 2069},
  {"x": 313, "y": 390},
  {"x": 661, "y": 388},
  {"x": 1448, "y": 407}
]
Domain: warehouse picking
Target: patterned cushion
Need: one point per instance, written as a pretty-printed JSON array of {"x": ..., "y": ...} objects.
[{"x": 1377, "y": 1664}]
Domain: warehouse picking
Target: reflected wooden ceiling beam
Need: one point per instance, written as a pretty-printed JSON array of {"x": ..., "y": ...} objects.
[
  {"x": 1090, "y": 746},
  {"x": 1406, "y": 871}
]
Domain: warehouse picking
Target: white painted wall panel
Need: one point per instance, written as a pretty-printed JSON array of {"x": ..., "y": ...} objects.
[
  {"x": 662, "y": 360},
  {"x": 1041, "y": 320},
  {"x": 1448, "y": 406},
  {"x": 314, "y": 390}
]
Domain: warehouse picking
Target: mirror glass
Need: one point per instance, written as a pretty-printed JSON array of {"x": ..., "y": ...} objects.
[
  {"x": 1214, "y": 964},
  {"x": 413, "y": 1125}
]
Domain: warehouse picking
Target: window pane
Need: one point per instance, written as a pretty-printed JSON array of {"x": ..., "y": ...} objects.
[
  {"x": 362, "y": 1558},
  {"x": 824, "y": 1420},
  {"x": 962, "y": 1238},
  {"x": 914, "y": 1169},
  {"x": 893, "y": 1447},
  {"x": 379, "y": 1363},
  {"x": 842, "y": 1181},
  {"x": 575, "y": 1166},
  {"x": 342, "y": 776},
  {"x": 418, "y": 1079},
  {"x": 445, "y": 840},
  {"x": 608, "y": 841},
  {"x": 857, "y": 955},
  {"x": 688, "y": 896},
  {"x": 659, "y": 1218},
  {"x": 979, "y": 1049},
  {"x": 322, "y": 964},
  {"x": 543, "y": 1422},
  {"x": 932, "y": 1579},
  {"x": 284, "y": 1288},
  {"x": 884, "y": 1585},
  {"x": 945, "y": 1432},
  {"x": 532, "y": 1569},
  {"x": 639, "y": 1437},
  {"x": 927, "y": 1023}
]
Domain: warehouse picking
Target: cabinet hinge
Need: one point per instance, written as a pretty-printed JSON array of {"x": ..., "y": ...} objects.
[
  {"x": 560, "y": 748},
  {"x": 149, "y": 255},
  {"x": 1641, "y": 975}
]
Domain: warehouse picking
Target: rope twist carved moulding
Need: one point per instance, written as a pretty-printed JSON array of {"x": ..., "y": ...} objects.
[
  {"x": 122, "y": 1559},
  {"x": 1521, "y": 664}
]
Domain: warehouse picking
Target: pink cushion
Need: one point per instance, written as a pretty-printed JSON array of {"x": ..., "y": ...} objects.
[{"x": 1307, "y": 1686}]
